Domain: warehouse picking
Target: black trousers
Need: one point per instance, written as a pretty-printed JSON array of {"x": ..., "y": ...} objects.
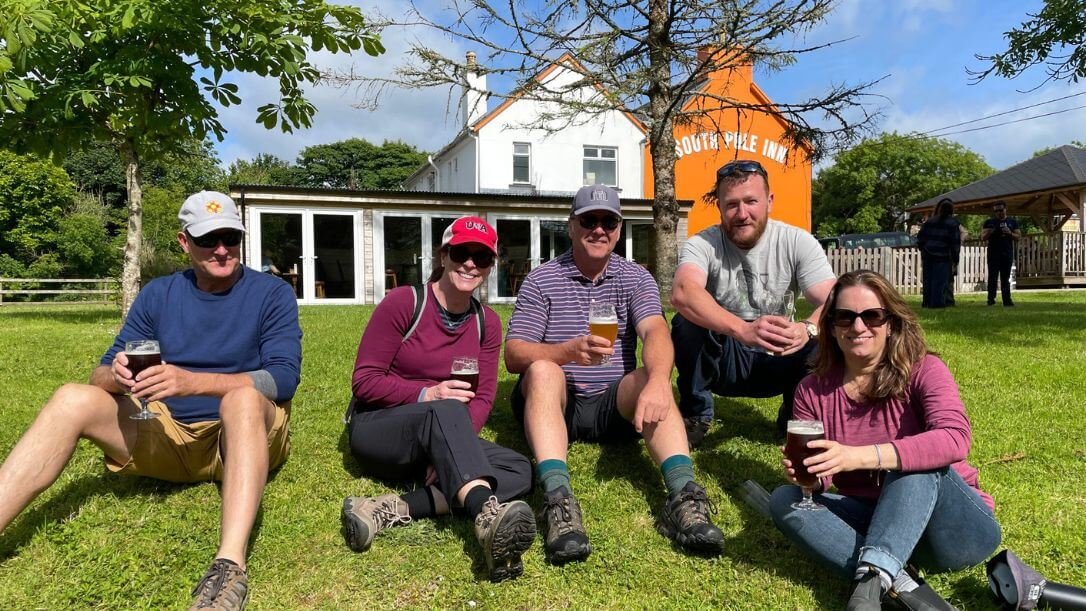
[
  {"x": 999, "y": 267},
  {"x": 399, "y": 443},
  {"x": 710, "y": 363}
]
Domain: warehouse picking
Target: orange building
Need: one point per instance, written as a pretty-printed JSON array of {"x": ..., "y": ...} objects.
[{"x": 710, "y": 141}]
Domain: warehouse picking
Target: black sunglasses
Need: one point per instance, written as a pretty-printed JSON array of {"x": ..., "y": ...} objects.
[
  {"x": 229, "y": 239},
  {"x": 741, "y": 166},
  {"x": 874, "y": 317},
  {"x": 483, "y": 258},
  {"x": 608, "y": 222}
]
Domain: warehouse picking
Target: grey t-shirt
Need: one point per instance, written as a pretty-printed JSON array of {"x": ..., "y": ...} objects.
[{"x": 786, "y": 257}]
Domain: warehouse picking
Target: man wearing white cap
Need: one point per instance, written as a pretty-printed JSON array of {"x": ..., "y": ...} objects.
[{"x": 231, "y": 360}]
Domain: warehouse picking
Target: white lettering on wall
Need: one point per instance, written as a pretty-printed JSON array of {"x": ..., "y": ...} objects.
[{"x": 738, "y": 141}]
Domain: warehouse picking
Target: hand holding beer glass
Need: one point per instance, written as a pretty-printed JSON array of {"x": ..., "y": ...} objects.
[
  {"x": 783, "y": 305},
  {"x": 603, "y": 322},
  {"x": 795, "y": 450},
  {"x": 142, "y": 353},
  {"x": 466, "y": 369}
]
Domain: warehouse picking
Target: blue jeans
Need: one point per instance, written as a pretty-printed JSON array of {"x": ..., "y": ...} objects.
[
  {"x": 711, "y": 363},
  {"x": 932, "y": 519}
]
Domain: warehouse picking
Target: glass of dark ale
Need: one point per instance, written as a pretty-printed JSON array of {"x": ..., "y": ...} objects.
[
  {"x": 142, "y": 353},
  {"x": 603, "y": 322},
  {"x": 795, "y": 449},
  {"x": 466, "y": 369}
]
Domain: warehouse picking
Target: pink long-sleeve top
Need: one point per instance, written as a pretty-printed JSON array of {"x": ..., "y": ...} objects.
[
  {"x": 390, "y": 372},
  {"x": 928, "y": 427}
]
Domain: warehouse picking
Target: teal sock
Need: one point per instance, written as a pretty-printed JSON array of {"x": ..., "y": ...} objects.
[
  {"x": 678, "y": 471},
  {"x": 553, "y": 474}
]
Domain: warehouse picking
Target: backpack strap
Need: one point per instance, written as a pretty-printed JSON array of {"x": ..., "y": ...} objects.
[
  {"x": 480, "y": 319},
  {"x": 420, "y": 294}
]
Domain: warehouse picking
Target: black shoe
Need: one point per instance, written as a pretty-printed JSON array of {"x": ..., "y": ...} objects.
[
  {"x": 1009, "y": 304},
  {"x": 922, "y": 598},
  {"x": 685, "y": 520},
  {"x": 505, "y": 531},
  {"x": 696, "y": 428},
  {"x": 564, "y": 537},
  {"x": 867, "y": 593},
  {"x": 991, "y": 303}
]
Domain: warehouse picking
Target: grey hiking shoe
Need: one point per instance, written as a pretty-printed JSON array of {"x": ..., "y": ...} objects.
[
  {"x": 224, "y": 586},
  {"x": 565, "y": 539},
  {"x": 505, "y": 531},
  {"x": 364, "y": 517},
  {"x": 685, "y": 520}
]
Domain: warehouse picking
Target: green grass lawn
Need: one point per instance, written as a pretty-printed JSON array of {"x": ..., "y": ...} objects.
[{"x": 102, "y": 541}]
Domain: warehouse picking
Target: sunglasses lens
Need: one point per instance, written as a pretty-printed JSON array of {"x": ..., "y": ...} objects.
[
  {"x": 482, "y": 258},
  {"x": 741, "y": 167},
  {"x": 873, "y": 318},
  {"x": 609, "y": 223},
  {"x": 212, "y": 240}
]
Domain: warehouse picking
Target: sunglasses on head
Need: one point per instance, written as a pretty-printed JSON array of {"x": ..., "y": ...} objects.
[
  {"x": 482, "y": 257},
  {"x": 229, "y": 239},
  {"x": 874, "y": 317},
  {"x": 741, "y": 166},
  {"x": 609, "y": 222}
]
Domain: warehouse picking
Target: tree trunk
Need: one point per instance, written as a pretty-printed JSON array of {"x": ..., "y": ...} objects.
[
  {"x": 665, "y": 210},
  {"x": 130, "y": 275}
]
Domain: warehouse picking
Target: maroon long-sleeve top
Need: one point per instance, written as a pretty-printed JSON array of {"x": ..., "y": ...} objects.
[
  {"x": 390, "y": 372},
  {"x": 928, "y": 427}
]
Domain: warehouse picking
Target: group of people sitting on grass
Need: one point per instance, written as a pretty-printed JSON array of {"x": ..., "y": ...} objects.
[{"x": 894, "y": 491}]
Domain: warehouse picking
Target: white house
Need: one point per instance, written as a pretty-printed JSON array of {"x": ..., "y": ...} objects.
[{"x": 513, "y": 148}]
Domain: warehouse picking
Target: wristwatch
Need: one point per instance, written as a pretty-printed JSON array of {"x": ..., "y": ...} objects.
[{"x": 812, "y": 329}]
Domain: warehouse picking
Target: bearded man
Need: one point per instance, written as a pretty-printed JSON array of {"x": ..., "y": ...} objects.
[{"x": 725, "y": 341}]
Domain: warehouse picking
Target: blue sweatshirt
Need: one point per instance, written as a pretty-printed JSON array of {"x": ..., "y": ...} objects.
[{"x": 252, "y": 326}]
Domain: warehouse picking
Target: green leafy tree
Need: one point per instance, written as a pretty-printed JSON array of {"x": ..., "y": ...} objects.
[
  {"x": 145, "y": 76},
  {"x": 34, "y": 195},
  {"x": 1054, "y": 37},
  {"x": 869, "y": 186},
  {"x": 264, "y": 169},
  {"x": 84, "y": 245},
  {"x": 358, "y": 164},
  {"x": 646, "y": 55},
  {"x": 1048, "y": 149}
]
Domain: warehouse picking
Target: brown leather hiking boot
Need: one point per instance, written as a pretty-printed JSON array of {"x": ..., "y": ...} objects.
[
  {"x": 364, "y": 517},
  {"x": 505, "y": 531},
  {"x": 224, "y": 587},
  {"x": 565, "y": 539}
]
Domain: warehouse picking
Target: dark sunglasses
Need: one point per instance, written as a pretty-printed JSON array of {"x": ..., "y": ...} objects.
[
  {"x": 590, "y": 222},
  {"x": 483, "y": 258},
  {"x": 874, "y": 317},
  {"x": 229, "y": 239},
  {"x": 741, "y": 166}
]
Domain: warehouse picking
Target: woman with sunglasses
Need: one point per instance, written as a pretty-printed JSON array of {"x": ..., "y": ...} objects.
[
  {"x": 410, "y": 420},
  {"x": 895, "y": 447}
]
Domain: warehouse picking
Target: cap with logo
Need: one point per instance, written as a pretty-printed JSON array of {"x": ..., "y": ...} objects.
[
  {"x": 209, "y": 211},
  {"x": 596, "y": 197},
  {"x": 470, "y": 230}
]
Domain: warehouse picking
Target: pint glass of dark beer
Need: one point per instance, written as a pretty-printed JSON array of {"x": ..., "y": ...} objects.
[
  {"x": 142, "y": 353},
  {"x": 795, "y": 449},
  {"x": 466, "y": 369}
]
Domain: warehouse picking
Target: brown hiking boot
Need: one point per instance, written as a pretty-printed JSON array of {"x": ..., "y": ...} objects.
[
  {"x": 505, "y": 531},
  {"x": 224, "y": 587},
  {"x": 685, "y": 520},
  {"x": 364, "y": 517},
  {"x": 565, "y": 539}
]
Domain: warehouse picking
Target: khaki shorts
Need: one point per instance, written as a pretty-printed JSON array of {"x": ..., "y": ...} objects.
[{"x": 178, "y": 452}]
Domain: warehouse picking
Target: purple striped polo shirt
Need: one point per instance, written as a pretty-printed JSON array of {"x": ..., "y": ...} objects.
[{"x": 552, "y": 307}]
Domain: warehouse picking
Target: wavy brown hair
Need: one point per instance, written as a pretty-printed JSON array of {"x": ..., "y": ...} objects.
[{"x": 905, "y": 344}]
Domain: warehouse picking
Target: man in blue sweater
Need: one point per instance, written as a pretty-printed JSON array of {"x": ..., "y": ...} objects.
[{"x": 231, "y": 361}]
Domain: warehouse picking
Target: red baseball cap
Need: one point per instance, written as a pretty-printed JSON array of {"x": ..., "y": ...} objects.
[{"x": 470, "y": 230}]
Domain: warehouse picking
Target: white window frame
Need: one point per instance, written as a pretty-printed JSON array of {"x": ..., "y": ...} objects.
[
  {"x": 528, "y": 155},
  {"x": 597, "y": 155}
]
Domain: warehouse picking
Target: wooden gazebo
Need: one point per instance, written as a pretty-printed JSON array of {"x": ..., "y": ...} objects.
[{"x": 1050, "y": 189}]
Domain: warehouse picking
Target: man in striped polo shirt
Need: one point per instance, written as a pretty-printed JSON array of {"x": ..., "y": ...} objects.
[{"x": 578, "y": 386}]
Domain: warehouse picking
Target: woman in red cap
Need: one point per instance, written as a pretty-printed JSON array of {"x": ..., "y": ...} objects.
[{"x": 411, "y": 420}]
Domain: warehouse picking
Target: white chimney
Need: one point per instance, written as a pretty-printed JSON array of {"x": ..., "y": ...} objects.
[{"x": 473, "y": 102}]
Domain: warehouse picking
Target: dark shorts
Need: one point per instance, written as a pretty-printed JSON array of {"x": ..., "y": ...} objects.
[{"x": 588, "y": 418}]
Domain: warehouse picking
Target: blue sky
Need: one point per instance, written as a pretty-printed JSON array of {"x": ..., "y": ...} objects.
[{"x": 922, "y": 47}]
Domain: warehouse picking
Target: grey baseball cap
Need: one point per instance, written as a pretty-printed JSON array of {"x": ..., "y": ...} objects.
[
  {"x": 208, "y": 211},
  {"x": 596, "y": 197}
]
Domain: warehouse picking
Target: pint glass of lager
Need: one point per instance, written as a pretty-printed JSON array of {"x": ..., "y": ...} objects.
[
  {"x": 603, "y": 322},
  {"x": 796, "y": 450},
  {"x": 142, "y": 353},
  {"x": 466, "y": 369}
]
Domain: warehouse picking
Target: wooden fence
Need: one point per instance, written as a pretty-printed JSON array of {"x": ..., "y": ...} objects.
[
  {"x": 60, "y": 290},
  {"x": 901, "y": 266}
]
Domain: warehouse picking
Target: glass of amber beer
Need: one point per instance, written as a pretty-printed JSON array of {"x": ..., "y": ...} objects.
[
  {"x": 795, "y": 449},
  {"x": 603, "y": 322},
  {"x": 466, "y": 369},
  {"x": 142, "y": 353}
]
